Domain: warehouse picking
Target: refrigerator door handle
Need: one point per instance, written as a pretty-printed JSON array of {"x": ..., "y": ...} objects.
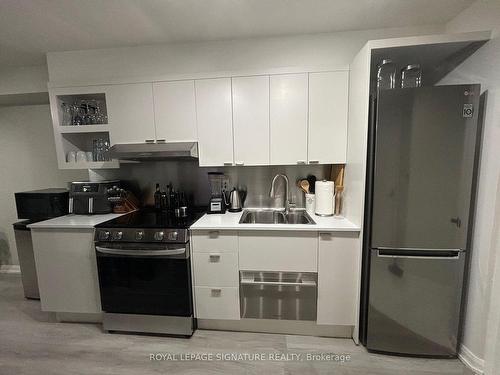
[{"x": 419, "y": 254}]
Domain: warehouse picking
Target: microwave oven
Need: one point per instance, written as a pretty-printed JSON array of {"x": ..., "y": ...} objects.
[{"x": 42, "y": 204}]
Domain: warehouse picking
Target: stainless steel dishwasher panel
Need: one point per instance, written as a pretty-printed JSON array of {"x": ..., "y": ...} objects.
[{"x": 278, "y": 295}]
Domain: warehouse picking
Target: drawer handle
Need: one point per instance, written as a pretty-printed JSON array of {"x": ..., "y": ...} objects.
[
  {"x": 215, "y": 292},
  {"x": 214, "y": 258},
  {"x": 240, "y": 163},
  {"x": 301, "y": 161},
  {"x": 228, "y": 163},
  {"x": 213, "y": 233},
  {"x": 313, "y": 161},
  {"x": 161, "y": 141},
  {"x": 149, "y": 141}
]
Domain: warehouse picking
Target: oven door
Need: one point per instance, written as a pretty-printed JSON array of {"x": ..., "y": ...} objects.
[{"x": 151, "y": 279}]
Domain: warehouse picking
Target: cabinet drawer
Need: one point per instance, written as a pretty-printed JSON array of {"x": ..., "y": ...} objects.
[
  {"x": 278, "y": 251},
  {"x": 215, "y": 241},
  {"x": 217, "y": 303},
  {"x": 216, "y": 269}
]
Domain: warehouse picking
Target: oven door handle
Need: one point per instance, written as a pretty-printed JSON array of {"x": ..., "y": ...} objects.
[{"x": 142, "y": 253}]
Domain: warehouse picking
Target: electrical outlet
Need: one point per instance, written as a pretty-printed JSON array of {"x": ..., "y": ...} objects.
[{"x": 225, "y": 183}]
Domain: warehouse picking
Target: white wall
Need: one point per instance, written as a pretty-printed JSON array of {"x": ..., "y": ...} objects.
[
  {"x": 23, "y": 79},
  {"x": 27, "y": 162},
  {"x": 316, "y": 50},
  {"x": 483, "y": 67}
]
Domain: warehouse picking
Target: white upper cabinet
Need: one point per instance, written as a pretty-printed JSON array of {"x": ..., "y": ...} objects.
[
  {"x": 175, "y": 111},
  {"x": 251, "y": 120},
  {"x": 288, "y": 118},
  {"x": 214, "y": 120},
  {"x": 130, "y": 113},
  {"x": 328, "y": 106}
]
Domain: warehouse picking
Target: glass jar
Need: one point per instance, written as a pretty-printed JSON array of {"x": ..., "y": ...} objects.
[
  {"x": 411, "y": 76},
  {"x": 386, "y": 75}
]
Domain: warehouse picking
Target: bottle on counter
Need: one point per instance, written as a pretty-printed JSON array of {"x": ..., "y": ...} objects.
[
  {"x": 157, "y": 197},
  {"x": 164, "y": 201}
]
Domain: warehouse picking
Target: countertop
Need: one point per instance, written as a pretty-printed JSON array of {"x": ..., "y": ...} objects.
[
  {"x": 229, "y": 221},
  {"x": 73, "y": 221}
]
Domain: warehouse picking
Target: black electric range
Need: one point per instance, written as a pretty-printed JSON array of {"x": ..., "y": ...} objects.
[
  {"x": 144, "y": 269},
  {"x": 147, "y": 225}
]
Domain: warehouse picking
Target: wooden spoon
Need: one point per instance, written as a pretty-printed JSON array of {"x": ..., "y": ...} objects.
[{"x": 304, "y": 185}]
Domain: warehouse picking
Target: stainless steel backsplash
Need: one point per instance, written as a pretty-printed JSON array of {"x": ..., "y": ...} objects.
[{"x": 192, "y": 179}]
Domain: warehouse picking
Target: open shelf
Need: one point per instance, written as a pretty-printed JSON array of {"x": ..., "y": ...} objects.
[
  {"x": 91, "y": 165},
  {"x": 89, "y": 108},
  {"x": 80, "y": 129}
]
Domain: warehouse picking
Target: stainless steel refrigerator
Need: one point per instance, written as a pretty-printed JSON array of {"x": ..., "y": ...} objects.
[{"x": 422, "y": 153}]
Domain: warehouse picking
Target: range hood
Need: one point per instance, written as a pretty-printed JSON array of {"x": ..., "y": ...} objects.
[{"x": 155, "y": 151}]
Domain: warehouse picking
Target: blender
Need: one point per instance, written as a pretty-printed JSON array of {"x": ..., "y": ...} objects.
[{"x": 216, "y": 204}]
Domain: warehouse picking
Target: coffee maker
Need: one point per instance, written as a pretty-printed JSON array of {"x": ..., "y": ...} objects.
[{"x": 217, "y": 182}]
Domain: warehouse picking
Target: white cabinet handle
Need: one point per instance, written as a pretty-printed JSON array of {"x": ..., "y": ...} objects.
[
  {"x": 240, "y": 163},
  {"x": 216, "y": 292},
  {"x": 313, "y": 161},
  {"x": 214, "y": 258},
  {"x": 213, "y": 233},
  {"x": 301, "y": 161},
  {"x": 325, "y": 236}
]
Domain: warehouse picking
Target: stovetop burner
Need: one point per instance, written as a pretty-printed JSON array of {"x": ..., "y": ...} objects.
[
  {"x": 147, "y": 218},
  {"x": 147, "y": 225}
]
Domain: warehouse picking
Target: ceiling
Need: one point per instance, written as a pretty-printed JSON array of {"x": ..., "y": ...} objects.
[{"x": 30, "y": 28}]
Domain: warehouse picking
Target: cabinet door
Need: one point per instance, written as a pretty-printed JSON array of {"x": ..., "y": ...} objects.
[
  {"x": 214, "y": 120},
  {"x": 328, "y": 100},
  {"x": 288, "y": 115},
  {"x": 278, "y": 251},
  {"x": 67, "y": 270},
  {"x": 338, "y": 261},
  {"x": 251, "y": 120},
  {"x": 130, "y": 113},
  {"x": 175, "y": 112}
]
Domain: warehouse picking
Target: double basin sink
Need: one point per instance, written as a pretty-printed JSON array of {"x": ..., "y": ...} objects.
[{"x": 267, "y": 216}]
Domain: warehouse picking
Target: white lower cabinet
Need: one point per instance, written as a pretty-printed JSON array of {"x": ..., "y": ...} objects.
[
  {"x": 67, "y": 270},
  {"x": 278, "y": 251},
  {"x": 215, "y": 274},
  {"x": 216, "y": 269},
  {"x": 337, "y": 278},
  {"x": 219, "y": 256},
  {"x": 217, "y": 302},
  {"x": 215, "y": 240}
]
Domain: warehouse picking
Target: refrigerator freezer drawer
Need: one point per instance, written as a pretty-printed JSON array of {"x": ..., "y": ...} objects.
[{"x": 414, "y": 301}]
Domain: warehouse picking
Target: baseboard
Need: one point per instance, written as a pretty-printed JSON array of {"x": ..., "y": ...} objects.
[
  {"x": 290, "y": 327},
  {"x": 10, "y": 268},
  {"x": 472, "y": 361}
]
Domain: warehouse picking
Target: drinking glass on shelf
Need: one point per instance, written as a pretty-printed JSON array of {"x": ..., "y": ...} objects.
[
  {"x": 91, "y": 111},
  {"x": 100, "y": 117},
  {"x": 106, "y": 150},
  {"x": 76, "y": 114},
  {"x": 66, "y": 114}
]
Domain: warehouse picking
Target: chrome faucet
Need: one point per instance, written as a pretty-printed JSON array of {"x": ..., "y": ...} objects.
[{"x": 287, "y": 191}]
